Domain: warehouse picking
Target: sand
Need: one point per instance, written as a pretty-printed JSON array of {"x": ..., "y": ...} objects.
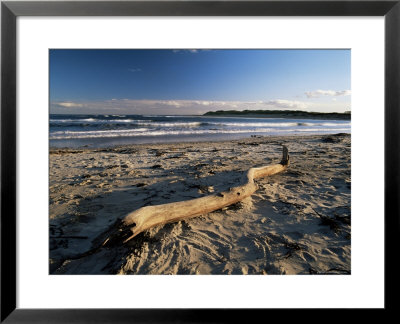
[{"x": 297, "y": 222}]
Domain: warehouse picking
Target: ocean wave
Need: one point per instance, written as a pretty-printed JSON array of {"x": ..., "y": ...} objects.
[
  {"x": 125, "y": 121},
  {"x": 97, "y": 121},
  {"x": 146, "y": 132},
  {"x": 185, "y": 124},
  {"x": 335, "y": 124},
  {"x": 259, "y": 124},
  {"x": 169, "y": 124},
  {"x": 135, "y": 130}
]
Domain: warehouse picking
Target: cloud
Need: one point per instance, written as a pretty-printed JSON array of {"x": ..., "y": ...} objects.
[
  {"x": 135, "y": 70},
  {"x": 286, "y": 104},
  {"x": 332, "y": 93},
  {"x": 69, "y": 104},
  {"x": 186, "y": 51},
  {"x": 144, "y": 107}
]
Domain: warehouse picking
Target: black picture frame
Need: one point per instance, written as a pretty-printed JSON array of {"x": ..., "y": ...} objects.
[{"x": 10, "y": 10}]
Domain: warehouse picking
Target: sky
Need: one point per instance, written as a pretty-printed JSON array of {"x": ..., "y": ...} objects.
[{"x": 194, "y": 81}]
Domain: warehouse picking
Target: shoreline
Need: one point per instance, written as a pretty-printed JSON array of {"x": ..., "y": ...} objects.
[
  {"x": 100, "y": 143},
  {"x": 297, "y": 222},
  {"x": 221, "y": 141}
]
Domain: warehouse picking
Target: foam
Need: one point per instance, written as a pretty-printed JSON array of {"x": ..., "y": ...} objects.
[{"x": 146, "y": 132}]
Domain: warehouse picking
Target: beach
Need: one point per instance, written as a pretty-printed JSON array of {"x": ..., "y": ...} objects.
[{"x": 297, "y": 221}]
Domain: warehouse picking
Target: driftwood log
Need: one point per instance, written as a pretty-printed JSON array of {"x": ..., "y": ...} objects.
[{"x": 150, "y": 216}]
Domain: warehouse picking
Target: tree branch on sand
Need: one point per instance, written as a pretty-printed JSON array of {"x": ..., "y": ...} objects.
[{"x": 147, "y": 217}]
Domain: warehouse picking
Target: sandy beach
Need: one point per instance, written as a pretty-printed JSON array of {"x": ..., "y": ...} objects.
[{"x": 297, "y": 222}]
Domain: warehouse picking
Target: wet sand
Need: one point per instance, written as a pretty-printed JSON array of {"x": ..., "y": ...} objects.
[{"x": 297, "y": 222}]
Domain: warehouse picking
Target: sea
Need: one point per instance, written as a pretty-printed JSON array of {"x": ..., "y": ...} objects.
[{"x": 95, "y": 131}]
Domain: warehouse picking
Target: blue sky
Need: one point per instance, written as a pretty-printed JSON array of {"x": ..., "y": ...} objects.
[{"x": 195, "y": 81}]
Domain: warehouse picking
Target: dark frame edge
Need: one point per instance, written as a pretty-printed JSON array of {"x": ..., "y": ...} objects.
[
  {"x": 203, "y": 8},
  {"x": 392, "y": 148},
  {"x": 10, "y": 314},
  {"x": 8, "y": 267}
]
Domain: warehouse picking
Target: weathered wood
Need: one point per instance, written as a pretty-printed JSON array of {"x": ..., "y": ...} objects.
[{"x": 150, "y": 216}]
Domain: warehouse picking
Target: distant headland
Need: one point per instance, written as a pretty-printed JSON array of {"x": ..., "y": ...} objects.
[{"x": 281, "y": 114}]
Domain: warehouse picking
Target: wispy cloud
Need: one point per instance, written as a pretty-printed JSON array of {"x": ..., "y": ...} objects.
[
  {"x": 286, "y": 104},
  {"x": 68, "y": 104},
  {"x": 134, "y": 70},
  {"x": 332, "y": 93},
  {"x": 194, "y": 51}
]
